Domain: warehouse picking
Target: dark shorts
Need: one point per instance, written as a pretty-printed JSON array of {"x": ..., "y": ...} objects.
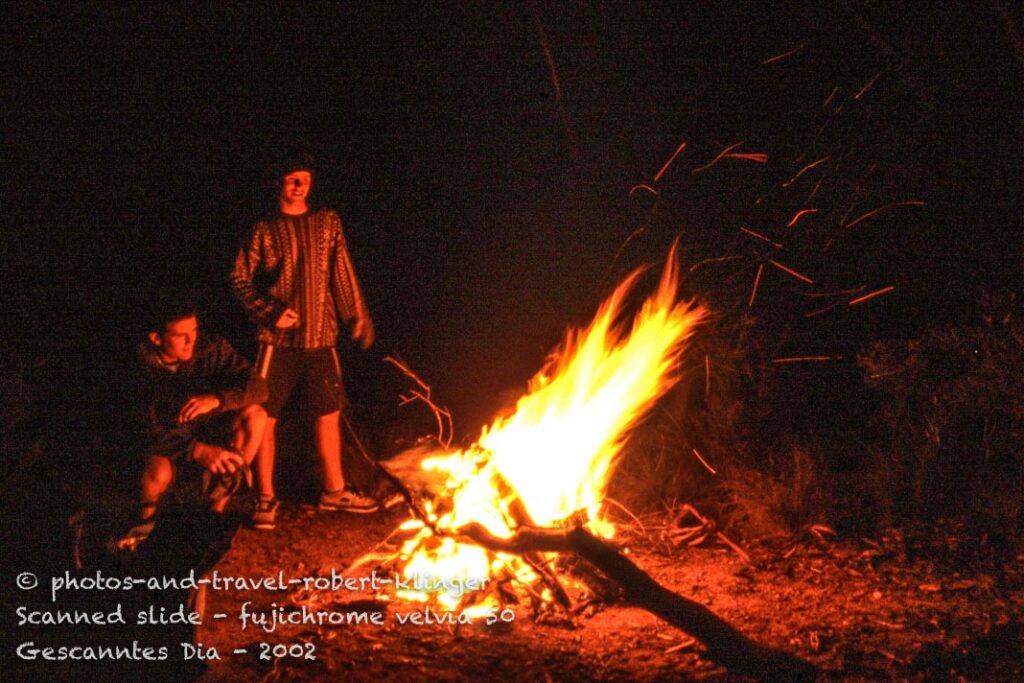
[
  {"x": 316, "y": 372},
  {"x": 214, "y": 429}
]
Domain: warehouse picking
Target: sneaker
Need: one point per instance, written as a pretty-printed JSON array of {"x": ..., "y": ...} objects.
[
  {"x": 264, "y": 515},
  {"x": 347, "y": 500}
]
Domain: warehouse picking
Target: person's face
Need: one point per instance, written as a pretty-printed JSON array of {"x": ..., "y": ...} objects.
[
  {"x": 177, "y": 341},
  {"x": 295, "y": 187}
]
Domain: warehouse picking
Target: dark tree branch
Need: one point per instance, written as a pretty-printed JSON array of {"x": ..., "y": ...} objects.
[{"x": 725, "y": 645}]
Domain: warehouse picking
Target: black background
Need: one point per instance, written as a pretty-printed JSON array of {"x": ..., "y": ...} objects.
[{"x": 484, "y": 213}]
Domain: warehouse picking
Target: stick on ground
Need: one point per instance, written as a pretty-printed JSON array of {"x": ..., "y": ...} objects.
[{"x": 725, "y": 645}]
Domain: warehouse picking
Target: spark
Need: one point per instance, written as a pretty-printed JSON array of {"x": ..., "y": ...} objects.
[
  {"x": 871, "y": 213},
  {"x": 857, "y": 192},
  {"x": 628, "y": 240},
  {"x": 555, "y": 83},
  {"x": 820, "y": 311},
  {"x": 806, "y": 168},
  {"x": 869, "y": 84},
  {"x": 641, "y": 186},
  {"x": 791, "y": 271},
  {"x": 872, "y": 295},
  {"x": 804, "y": 359},
  {"x": 838, "y": 292},
  {"x": 792, "y": 52},
  {"x": 799, "y": 214},
  {"x": 668, "y": 163},
  {"x": 814, "y": 191},
  {"x": 761, "y": 237},
  {"x": 697, "y": 265},
  {"x": 703, "y": 461},
  {"x": 760, "y": 158},
  {"x": 830, "y": 96},
  {"x": 757, "y": 281}
]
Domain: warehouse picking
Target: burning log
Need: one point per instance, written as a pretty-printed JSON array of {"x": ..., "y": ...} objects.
[
  {"x": 483, "y": 510},
  {"x": 725, "y": 645}
]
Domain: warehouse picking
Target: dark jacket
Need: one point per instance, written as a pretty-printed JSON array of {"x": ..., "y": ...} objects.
[{"x": 215, "y": 368}]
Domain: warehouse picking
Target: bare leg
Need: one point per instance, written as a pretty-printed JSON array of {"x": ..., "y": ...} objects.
[
  {"x": 246, "y": 437},
  {"x": 265, "y": 460},
  {"x": 155, "y": 482},
  {"x": 327, "y": 431},
  {"x": 247, "y": 431}
]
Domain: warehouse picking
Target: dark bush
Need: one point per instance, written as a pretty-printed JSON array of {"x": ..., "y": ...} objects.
[{"x": 953, "y": 412}]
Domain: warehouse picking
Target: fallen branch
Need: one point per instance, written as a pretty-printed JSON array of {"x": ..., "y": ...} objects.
[
  {"x": 725, "y": 645},
  {"x": 708, "y": 526},
  {"x": 399, "y": 485},
  {"x": 441, "y": 414}
]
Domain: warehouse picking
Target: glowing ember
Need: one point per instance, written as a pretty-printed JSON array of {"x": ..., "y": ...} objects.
[{"x": 551, "y": 460}]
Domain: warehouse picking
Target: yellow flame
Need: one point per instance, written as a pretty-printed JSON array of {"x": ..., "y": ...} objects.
[{"x": 552, "y": 458}]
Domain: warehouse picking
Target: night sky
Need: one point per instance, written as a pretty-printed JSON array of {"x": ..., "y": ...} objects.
[{"x": 484, "y": 208}]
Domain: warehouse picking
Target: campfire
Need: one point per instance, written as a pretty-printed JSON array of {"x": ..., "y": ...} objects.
[
  {"x": 498, "y": 523},
  {"x": 548, "y": 464}
]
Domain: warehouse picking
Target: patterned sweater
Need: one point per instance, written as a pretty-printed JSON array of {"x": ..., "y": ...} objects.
[{"x": 302, "y": 263}]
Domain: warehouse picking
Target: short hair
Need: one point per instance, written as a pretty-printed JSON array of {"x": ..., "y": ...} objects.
[
  {"x": 294, "y": 161},
  {"x": 167, "y": 308}
]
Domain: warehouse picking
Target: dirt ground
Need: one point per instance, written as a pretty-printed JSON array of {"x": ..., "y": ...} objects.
[
  {"x": 859, "y": 611},
  {"x": 898, "y": 607}
]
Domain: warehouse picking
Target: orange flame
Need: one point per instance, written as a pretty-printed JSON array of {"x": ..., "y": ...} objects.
[{"x": 552, "y": 458}]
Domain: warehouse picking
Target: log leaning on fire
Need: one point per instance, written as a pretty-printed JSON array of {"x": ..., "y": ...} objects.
[{"x": 725, "y": 645}]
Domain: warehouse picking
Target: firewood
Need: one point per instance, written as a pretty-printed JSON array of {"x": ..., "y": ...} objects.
[{"x": 725, "y": 645}]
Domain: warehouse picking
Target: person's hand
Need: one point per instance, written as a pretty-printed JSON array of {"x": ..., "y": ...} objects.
[
  {"x": 217, "y": 459},
  {"x": 288, "y": 319},
  {"x": 362, "y": 332},
  {"x": 196, "y": 406}
]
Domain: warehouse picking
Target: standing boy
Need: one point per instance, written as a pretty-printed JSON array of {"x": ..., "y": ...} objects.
[{"x": 295, "y": 279}]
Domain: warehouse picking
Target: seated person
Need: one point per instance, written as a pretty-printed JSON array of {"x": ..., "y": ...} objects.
[{"x": 199, "y": 414}]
